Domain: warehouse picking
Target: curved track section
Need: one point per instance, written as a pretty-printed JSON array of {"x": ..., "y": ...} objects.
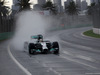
[
  {"x": 7, "y": 66},
  {"x": 79, "y": 55}
]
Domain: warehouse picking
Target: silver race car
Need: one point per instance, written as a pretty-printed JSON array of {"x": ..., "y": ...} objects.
[{"x": 41, "y": 46}]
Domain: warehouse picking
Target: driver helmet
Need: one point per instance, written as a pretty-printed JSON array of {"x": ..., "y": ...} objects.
[{"x": 41, "y": 40}]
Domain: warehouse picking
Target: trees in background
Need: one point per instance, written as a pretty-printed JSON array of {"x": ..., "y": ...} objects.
[
  {"x": 89, "y": 9},
  {"x": 23, "y": 5},
  {"x": 50, "y": 6},
  {"x": 4, "y": 10},
  {"x": 72, "y": 9}
]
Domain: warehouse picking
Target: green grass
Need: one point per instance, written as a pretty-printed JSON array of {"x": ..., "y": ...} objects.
[{"x": 91, "y": 34}]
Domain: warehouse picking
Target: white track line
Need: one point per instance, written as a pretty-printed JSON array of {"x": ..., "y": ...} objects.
[
  {"x": 78, "y": 62},
  {"x": 19, "y": 65},
  {"x": 77, "y": 45},
  {"x": 89, "y": 37},
  {"x": 92, "y": 73},
  {"x": 81, "y": 37},
  {"x": 79, "y": 56},
  {"x": 86, "y": 58},
  {"x": 51, "y": 69}
]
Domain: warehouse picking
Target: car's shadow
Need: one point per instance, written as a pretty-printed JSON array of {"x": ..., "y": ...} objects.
[{"x": 34, "y": 54}]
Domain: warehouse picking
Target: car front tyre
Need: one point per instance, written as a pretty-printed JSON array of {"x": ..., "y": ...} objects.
[{"x": 56, "y": 47}]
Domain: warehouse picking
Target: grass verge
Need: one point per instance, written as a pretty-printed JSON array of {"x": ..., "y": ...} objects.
[{"x": 91, "y": 34}]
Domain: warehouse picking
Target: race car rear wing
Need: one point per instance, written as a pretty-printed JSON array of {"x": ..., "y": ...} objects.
[{"x": 37, "y": 37}]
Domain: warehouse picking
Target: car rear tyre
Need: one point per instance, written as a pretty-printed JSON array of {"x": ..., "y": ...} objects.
[{"x": 31, "y": 47}]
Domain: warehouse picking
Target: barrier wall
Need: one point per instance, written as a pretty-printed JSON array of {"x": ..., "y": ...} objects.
[
  {"x": 6, "y": 35},
  {"x": 96, "y": 19}
]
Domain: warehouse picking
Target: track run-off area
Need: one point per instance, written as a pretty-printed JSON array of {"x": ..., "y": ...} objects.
[{"x": 79, "y": 55}]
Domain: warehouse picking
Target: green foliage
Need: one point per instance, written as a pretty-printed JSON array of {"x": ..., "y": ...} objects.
[
  {"x": 92, "y": 4},
  {"x": 23, "y": 4},
  {"x": 72, "y": 9},
  {"x": 90, "y": 33},
  {"x": 50, "y": 6},
  {"x": 4, "y": 10},
  {"x": 89, "y": 12}
]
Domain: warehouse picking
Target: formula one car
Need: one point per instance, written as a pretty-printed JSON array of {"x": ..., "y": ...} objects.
[{"x": 41, "y": 46}]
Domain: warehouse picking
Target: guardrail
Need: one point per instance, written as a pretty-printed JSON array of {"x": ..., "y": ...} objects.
[
  {"x": 6, "y": 35},
  {"x": 69, "y": 27}
]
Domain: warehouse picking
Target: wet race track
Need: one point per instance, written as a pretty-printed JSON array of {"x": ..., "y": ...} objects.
[{"x": 79, "y": 55}]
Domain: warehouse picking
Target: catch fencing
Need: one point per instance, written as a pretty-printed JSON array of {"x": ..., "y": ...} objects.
[
  {"x": 6, "y": 24},
  {"x": 58, "y": 22},
  {"x": 6, "y": 27},
  {"x": 67, "y": 21}
]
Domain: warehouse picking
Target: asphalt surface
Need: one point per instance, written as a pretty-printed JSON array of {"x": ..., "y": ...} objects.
[
  {"x": 79, "y": 55},
  {"x": 7, "y": 66}
]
